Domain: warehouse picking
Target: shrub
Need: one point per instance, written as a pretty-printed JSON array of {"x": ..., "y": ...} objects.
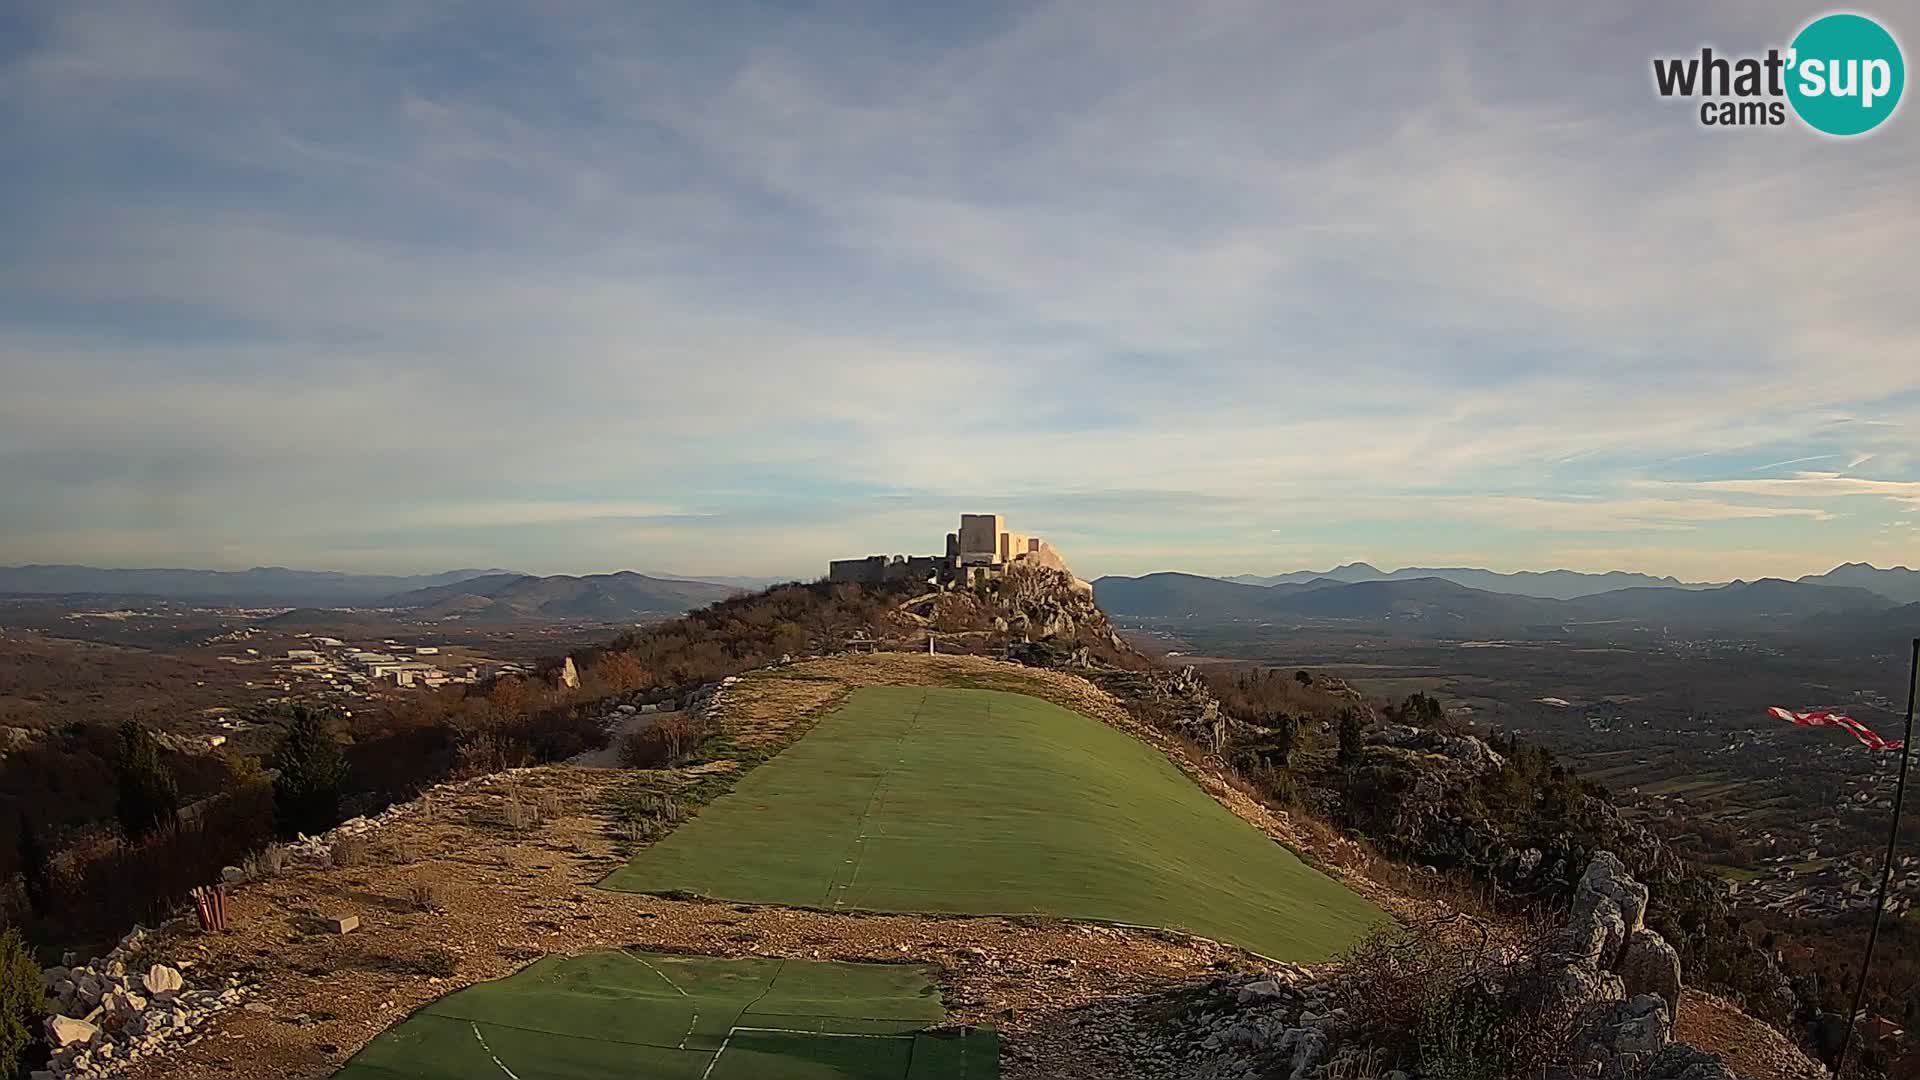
[
  {"x": 1351, "y": 739},
  {"x": 667, "y": 742},
  {"x": 438, "y": 963},
  {"x": 102, "y": 886},
  {"x": 149, "y": 798},
  {"x": 427, "y": 896},
  {"x": 313, "y": 772},
  {"x": 548, "y": 804},
  {"x": 350, "y": 851},
  {"x": 22, "y": 1002}
]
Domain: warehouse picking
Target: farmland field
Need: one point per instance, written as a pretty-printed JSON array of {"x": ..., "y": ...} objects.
[
  {"x": 983, "y": 802},
  {"x": 625, "y": 1015}
]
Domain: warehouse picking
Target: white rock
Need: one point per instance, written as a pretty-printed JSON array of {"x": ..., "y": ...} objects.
[
  {"x": 66, "y": 1031},
  {"x": 162, "y": 981}
]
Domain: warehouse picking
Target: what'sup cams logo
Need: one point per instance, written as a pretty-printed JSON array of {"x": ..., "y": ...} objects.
[{"x": 1842, "y": 75}]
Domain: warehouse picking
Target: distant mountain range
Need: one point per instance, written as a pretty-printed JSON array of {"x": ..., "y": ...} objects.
[
  {"x": 263, "y": 585},
  {"x": 474, "y": 593},
  {"x": 1898, "y": 584},
  {"x": 625, "y": 595},
  {"x": 1438, "y": 604},
  {"x": 1549, "y": 584}
]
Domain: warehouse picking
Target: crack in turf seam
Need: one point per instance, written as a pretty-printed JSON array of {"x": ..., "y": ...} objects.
[
  {"x": 496, "y": 1058},
  {"x": 878, "y": 798},
  {"x": 691, "y": 1024}
]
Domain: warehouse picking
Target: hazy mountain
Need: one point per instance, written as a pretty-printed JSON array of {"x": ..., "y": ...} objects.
[
  {"x": 1768, "y": 598},
  {"x": 1548, "y": 584},
  {"x": 625, "y": 595},
  {"x": 262, "y": 585},
  {"x": 1176, "y": 596},
  {"x": 1438, "y": 603},
  {"x": 1898, "y": 584}
]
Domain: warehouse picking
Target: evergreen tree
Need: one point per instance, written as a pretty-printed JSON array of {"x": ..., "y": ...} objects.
[
  {"x": 1350, "y": 739},
  {"x": 313, "y": 772},
  {"x": 22, "y": 1002},
  {"x": 149, "y": 799}
]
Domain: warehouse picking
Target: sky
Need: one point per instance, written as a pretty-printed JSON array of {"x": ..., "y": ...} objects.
[{"x": 712, "y": 288}]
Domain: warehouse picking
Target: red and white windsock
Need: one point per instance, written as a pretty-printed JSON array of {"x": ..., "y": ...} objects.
[{"x": 1858, "y": 730}]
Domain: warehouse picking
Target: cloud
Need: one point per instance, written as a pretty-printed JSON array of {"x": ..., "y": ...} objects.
[{"x": 396, "y": 287}]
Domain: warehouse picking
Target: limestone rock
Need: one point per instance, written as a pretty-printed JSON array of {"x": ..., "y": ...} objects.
[
  {"x": 1648, "y": 965},
  {"x": 343, "y": 924},
  {"x": 162, "y": 981},
  {"x": 1615, "y": 1037},
  {"x": 65, "y": 1031},
  {"x": 1606, "y": 878}
]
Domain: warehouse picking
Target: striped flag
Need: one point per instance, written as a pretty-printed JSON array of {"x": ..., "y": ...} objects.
[{"x": 1858, "y": 730}]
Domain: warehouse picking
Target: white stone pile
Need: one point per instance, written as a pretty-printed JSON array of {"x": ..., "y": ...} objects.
[
  {"x": 319, "y": 849},
  {"x": 108, "y": 1015}
]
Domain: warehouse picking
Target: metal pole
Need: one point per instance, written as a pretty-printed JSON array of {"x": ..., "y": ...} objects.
[{"x": 1886, "y": 872}]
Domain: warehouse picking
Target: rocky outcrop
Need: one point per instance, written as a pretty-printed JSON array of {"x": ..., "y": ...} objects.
[
  {"x": 1610, "y": 988},
  {"x": 1469, "y": 750},
  {"x": 1176, "y": 701}
]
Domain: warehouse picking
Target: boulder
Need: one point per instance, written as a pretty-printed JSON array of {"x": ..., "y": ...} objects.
[
  {"x": 162, "y": 981},
  {"x": 1648, "y": 965},
  {"x": 64, "y": 1031},
  {"x": 1610, "y": 1031}
]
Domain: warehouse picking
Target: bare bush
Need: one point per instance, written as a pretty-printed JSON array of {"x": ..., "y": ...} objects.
[
  {"x": 427, "y": 896},
  {"x": 350, "y": 851},
  {"x": 265, "y": 864},
  {"x": 1430, "y": 998},
  {"x": 667, "y": 742},
  {"x": 548, "y": 804},
  {"x": 522, "y": 813}
]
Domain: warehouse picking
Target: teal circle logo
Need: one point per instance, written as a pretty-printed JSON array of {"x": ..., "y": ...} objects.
[{"x": 1845, "y": 74}]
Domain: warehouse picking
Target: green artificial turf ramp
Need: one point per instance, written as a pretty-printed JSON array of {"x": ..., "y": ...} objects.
[
  {"x": 641, "y": 1016},
  {"x": 989, "y": 803}
]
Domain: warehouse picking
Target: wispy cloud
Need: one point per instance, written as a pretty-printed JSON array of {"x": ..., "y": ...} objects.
[{"x": 708, "y": 289}]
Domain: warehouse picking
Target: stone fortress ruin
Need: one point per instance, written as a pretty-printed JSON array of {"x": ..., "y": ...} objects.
[{"x": 982, "y": 549}]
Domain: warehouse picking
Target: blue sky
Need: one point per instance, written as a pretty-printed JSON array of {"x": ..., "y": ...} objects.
[{"x": 734, "y": 289}]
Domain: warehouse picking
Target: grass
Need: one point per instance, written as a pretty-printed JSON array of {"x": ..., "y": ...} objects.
[
  {"x": 980, "y": 802},
  {"x": 619, "y": 1015}
]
